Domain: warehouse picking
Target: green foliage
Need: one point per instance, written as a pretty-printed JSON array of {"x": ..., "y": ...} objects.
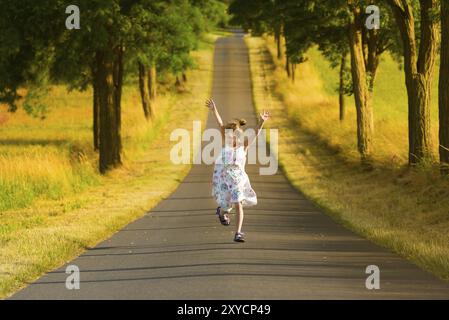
[
  {"x": 36, "y": 48},
  {"x": 28, "y": 31},
  {"x": 183, "y": 28},
  {"x": 213, "y": 12},
  {"x": 254, "y": 15}
]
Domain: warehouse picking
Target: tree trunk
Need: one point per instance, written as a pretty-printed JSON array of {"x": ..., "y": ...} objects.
[
  {"x": 184, "y": 77},
  {"x": 418, "y": 70},
  {"x": 96, "y": 110},
  {"x": 362, "y": 95},
  {"x": 118, "y": 86},
  {"x": 152, "y": 82},
  {"x": 341, "y": 92},
  {"x": 144, "y": 94},
  {"x": 279, "y": 47},
  {"x": 443, "y": 100},
  {"x": 109, "y": 130},
  {"x": 287, "y": 66},
  {"x": 372, "y": 57},
  {"x": 293, "y": 73},
  {"x": 420, "y": 119},
  {"x": 278, "y": 39}
]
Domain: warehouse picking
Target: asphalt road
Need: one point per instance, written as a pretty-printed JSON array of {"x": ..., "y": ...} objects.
[{"x": 180, "y": 251}]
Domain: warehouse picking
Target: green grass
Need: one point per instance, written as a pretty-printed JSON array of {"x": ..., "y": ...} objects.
[
  {"x": 398, "y": 208},
  {"x": 54, "y": 202}
]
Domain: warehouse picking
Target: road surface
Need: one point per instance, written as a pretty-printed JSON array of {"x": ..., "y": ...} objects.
[{"x": 180, "y": 251}]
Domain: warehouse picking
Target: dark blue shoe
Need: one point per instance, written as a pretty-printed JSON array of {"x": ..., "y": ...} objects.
[
  {"x": 239, "y": 237},
  {"x": 224, "y": 219}
]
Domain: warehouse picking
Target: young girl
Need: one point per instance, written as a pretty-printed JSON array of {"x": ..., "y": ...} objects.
[{"x": 230, "y": 183}]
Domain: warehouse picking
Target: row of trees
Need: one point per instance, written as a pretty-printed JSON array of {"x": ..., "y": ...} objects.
[
  {"x": 410, "y": 30},
  {"x": 117, "y": 38}
]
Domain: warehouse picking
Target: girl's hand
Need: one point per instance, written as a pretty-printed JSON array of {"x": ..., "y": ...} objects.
[
  {"x": 265, "y": 115},
  {"x": 210, "y": 104}
]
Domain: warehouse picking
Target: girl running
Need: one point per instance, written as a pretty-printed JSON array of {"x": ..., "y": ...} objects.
[{"x": 230, "y": 183}]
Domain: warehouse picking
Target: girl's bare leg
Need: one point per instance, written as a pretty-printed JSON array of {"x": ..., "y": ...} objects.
[{"x": 239, "y": 213}]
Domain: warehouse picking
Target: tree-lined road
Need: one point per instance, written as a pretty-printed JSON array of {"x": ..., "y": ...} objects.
[{"x": 179, "y": 250}]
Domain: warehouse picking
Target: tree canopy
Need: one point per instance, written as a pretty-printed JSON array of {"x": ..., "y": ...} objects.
[{"x": 38, "y": 50}]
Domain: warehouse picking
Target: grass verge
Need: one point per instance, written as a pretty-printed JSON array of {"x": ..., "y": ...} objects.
[{"x": 401, "y": 209}]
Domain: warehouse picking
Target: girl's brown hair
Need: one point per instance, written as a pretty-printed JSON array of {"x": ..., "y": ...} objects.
[{"x": 235, "y": 124}]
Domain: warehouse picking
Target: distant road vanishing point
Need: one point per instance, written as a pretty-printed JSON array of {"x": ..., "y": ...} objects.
[{"x": 179, "y": 250}]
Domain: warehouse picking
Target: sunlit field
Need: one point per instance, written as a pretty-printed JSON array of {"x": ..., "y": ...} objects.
[
  {"x": 54, "y": 203},
  {"x": 52, "y": 157},
  {"x": 399, "y": 208}
]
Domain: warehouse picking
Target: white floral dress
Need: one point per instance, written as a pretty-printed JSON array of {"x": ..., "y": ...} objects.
[{"x": 230, "y": 183}]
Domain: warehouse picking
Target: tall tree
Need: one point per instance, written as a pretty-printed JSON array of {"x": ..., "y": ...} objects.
[
  {"x": 103, "y": 39},
  {"x": 147, "y": 44},
  {"x": 419, "y": 53},
  {"x": 360, "y": 82},
  {"x": 94, "y": 54},
  {"x": 338, "y": 27},
  {"x": 444, "y": 89},
  {"x": 332, "y": 40},
  {"x": 298, "y": 31},
  {"x": 342, "y": 29}
]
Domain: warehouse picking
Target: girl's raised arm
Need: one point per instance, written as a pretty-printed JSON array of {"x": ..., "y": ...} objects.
[
  {"x": 211, "y": 105},
  {"x": 264, "y": 116}
]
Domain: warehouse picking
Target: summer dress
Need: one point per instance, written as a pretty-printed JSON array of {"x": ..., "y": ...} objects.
[{"x": 230, "y": 183}]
